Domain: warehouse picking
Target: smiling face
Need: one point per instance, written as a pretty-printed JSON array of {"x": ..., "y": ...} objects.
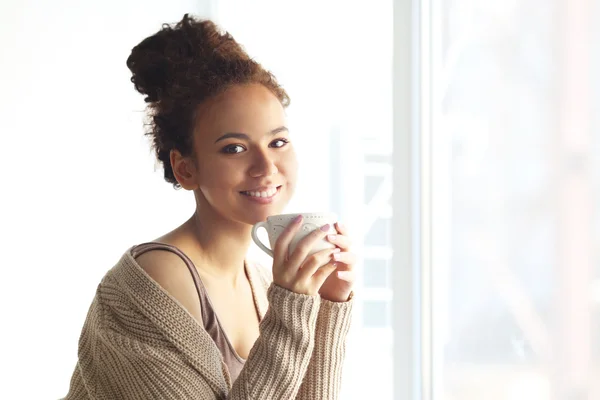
[{"x": 245, "y": 164}]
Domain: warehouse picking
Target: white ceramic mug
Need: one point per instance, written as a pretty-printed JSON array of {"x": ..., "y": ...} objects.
[{"x": 275, "y": 225}]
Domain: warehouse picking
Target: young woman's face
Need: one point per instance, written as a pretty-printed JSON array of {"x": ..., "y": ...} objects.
[{"x": 246, "y": 164}]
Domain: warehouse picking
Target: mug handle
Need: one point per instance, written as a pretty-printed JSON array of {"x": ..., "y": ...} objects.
[{"x": 260, "y": 244}]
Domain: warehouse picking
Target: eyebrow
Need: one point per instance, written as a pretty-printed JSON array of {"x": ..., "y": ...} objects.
[{"x": 244, "y": 136}]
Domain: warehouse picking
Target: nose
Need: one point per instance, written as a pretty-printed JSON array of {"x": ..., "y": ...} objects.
[{"x": 263, "y": 165}]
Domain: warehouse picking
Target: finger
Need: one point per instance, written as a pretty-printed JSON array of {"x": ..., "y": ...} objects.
[
  {"x": 345, "y": 257},
  {"x": 316, "y": 261},
  {"x": 341, "y": 241},
  {"x": 341, "y": 229},
  {"x": 282, "y": 244},
  {"x": 307, "y": 243},
  {"x": 323, "y": 273}
]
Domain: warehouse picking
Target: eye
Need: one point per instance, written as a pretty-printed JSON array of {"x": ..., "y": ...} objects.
[
  {"x": 233, "y": 149},
  {"x": 278, "y": 143}
]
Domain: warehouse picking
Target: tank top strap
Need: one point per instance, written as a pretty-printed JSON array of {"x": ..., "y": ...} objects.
[{"x": 208, "y": 315}]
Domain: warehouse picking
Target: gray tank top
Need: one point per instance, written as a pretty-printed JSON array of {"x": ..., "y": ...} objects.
[{"x": 211, "y": 322}]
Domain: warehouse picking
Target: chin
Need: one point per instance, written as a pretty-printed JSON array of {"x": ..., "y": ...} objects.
[
  {"x": 252, "y": 217},
  {"x": 252, "y": 212}
]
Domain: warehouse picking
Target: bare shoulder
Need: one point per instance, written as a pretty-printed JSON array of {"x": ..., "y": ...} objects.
[{"x": 173, "y": 275}]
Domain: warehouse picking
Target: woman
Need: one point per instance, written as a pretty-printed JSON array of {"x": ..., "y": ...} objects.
[{"x": 219, "y": 130}]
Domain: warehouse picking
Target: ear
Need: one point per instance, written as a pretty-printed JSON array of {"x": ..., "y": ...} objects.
[{"x": 184, "y": 169}]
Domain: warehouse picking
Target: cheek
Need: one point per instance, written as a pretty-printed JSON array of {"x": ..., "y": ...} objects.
[
  {"x": 289, "y": 167},
  {"x": 218, "y": 176}
]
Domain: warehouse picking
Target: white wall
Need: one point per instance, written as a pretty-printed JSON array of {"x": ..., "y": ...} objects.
[{"x": 77, "y": 174}]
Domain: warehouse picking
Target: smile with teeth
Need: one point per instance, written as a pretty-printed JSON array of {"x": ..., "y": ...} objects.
[{"x": 264, "y": 194}]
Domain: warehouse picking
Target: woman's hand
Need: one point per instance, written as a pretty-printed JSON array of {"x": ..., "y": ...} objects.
[
  {"x": 297, "y": 272},
  {"x": 337, "y": 287}
]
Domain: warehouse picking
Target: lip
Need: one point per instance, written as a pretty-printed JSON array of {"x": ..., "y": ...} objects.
[
  {"x": 262, "y": 200},
  {"x": 262, "y": 188}
]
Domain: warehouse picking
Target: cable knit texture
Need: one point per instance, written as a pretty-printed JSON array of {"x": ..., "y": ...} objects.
[{"x": 138, "y": 342}]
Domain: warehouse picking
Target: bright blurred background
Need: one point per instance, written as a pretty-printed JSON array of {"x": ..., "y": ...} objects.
[{"x": 459, "y": 139}]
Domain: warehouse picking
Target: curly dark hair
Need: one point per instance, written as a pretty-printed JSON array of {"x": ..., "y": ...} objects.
[{"x": 180, "y": 67}]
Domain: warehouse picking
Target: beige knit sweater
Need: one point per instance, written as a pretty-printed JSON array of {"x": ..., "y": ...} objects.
[{"x": 138, "y": 342}]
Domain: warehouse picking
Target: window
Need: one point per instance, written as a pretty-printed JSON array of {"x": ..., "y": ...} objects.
[{"x": 514, "y": 199}]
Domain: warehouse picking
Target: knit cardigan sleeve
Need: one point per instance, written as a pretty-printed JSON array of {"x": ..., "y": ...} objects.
[
  {"x": 324, "y": 374},
  {"x": 139, "y": 343}
]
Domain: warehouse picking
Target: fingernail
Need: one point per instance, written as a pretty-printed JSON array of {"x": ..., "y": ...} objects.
[
  {"x": 331, "y": 237},
  {"x": 297, "y": 219},
  {"x": 325, "y": 228},
  {"x": 336, "y": 250},
  {"x": 336, "y": 256}
]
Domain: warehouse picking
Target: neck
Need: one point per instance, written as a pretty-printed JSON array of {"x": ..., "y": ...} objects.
[{"x": 222, "y": 245}]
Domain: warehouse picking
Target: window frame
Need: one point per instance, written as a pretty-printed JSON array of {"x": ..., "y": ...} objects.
[{"x": 411, "y": 201}]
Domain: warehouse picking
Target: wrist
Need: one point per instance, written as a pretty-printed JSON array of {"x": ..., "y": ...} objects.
[{"x": 339, "y": 299}]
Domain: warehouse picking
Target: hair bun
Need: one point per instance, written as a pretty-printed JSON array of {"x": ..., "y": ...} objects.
[
  {"x": 149, "y": 67},
  {"x": 163, "y": 61}
]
